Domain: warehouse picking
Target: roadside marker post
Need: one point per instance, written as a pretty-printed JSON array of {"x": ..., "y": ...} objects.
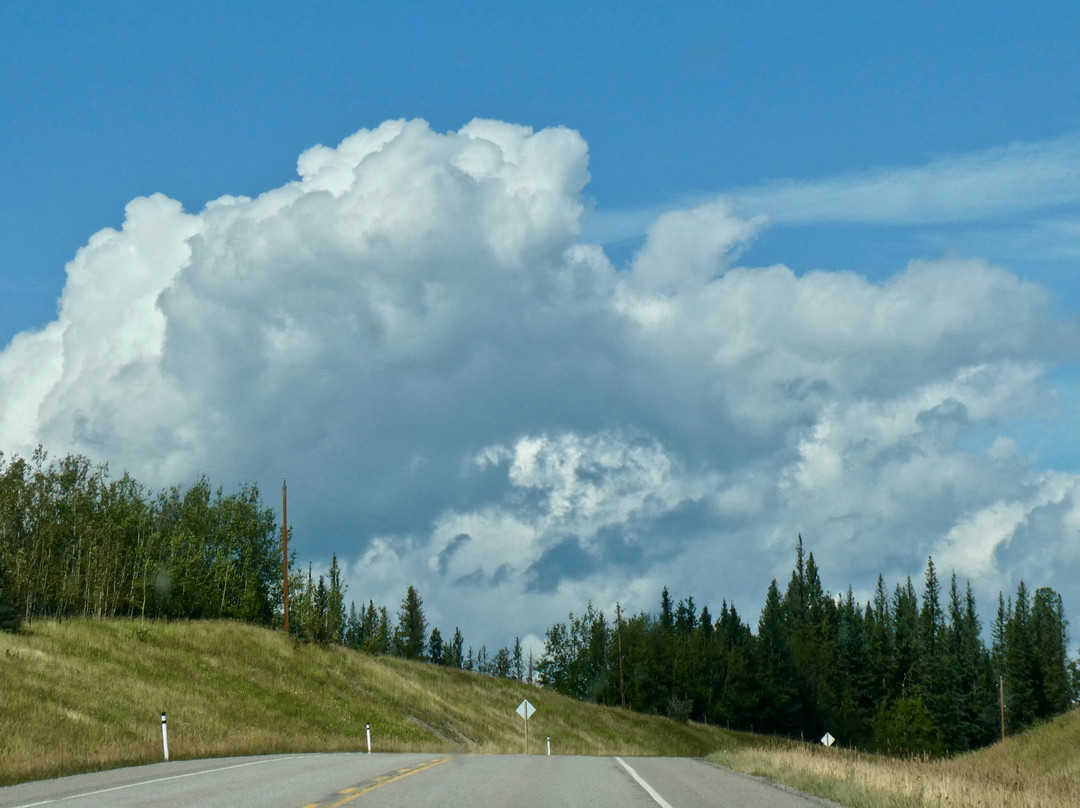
[
  {"x": 165, "y": 736},
  {"x": 368, "y": 727},
  {"x": 549, "y": 745}
]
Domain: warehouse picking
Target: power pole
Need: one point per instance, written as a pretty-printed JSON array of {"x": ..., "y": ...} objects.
[
  {"x": 622, "y": 673},
  {"x": 1001, "y": 685},
  {"x": 285, "y": 552}
]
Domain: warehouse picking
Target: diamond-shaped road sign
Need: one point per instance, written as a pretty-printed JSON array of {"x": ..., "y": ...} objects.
[
  {"x": 525, "y": 709},
  {"x": 828, "y": 739}
]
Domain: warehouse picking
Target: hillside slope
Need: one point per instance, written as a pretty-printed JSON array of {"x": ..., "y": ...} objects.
[
  {"x": 84, "y": 695},
  {"x": 1048, "y": 754},
  {"x": 1039, "y": 768}
]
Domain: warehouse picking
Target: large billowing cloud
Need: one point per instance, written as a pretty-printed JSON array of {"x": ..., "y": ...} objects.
[{"x": 468, "y": 398}]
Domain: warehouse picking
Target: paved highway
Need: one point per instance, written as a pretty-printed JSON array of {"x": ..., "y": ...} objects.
[{"x": 410, "y": 781}]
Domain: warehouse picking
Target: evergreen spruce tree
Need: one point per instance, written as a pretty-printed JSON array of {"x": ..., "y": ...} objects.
[
  {"x": 384, "y": 635},
  {"x": 705, "y": 623},
  {"x": 795, "y": 601},
  {"x": 997, "y": 634},
  {"x": 851, "y": 716},
  {"x": 667, "y": 614},
  {"x": 806, "y": 621},
  {"x": 1049, "y": 640},
  {"x": 933, "y": 667},
  {"x": 303, "y": 607},
  {"x": 814, "y": 648},
  {"x": 320, "y": 614},
  {"x": 737, "y": 689},
  {"x": 500, "y": 664},
  {"x": 661, "y": 662},
  {"x": 906, "y": 639},
  {"x": 984, "y": 707},
  {"x": 335, "y": 604},
  {"x": 779, "y": 705},
  {"x": 931, "y": 618},
  {"x": 879, "y": 645},
  {"x": 816, "y": 603},
  {"x": 369, "y": 630},
  {"x": 517, "y": 662},
  {"x": 435, "y": 651},
  {"x": 957, "y": 709},
  {"x": 1022, "y": 674},
  {"x": 454, "y": 656},
  {"x": 906, "y": 727},
  {"x": 411, "y": 632},
  {"x": 685, "y": 617},
  {"x": 354, "y": 628}
]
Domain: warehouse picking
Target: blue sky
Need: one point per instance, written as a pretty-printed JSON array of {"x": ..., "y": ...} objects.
[
  {"x": 108, "y": 101},
  {"x": 845, "y": 138}
]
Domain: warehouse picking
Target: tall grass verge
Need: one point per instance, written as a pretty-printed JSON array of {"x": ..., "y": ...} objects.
[{"x": 1038, "y": 769}]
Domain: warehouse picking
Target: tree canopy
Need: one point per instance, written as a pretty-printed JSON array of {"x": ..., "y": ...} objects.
[{"x": 902, "y": 674}]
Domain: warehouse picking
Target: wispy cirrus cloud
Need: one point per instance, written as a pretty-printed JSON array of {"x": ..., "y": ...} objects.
[
  {"x": 1016, "y": 183},
  {"x": 997, "y": 182}
]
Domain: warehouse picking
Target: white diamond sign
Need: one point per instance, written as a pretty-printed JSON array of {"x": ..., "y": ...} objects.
[
  {"x": 525, "y": 709},
  {"x": 827, "y": 739}
]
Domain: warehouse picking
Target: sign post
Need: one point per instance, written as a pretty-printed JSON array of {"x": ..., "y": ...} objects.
[{"x": 525, "y": 710}]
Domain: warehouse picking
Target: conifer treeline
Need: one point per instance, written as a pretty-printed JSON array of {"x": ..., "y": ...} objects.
[
  {"x": 899, "y": 673},
  {"x": 894, "y": 674},
  {"x": 75, "y": 543},
  {"x": 317, "y": 615}
]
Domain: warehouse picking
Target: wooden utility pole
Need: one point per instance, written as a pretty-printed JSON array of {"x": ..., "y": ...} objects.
[
  {"x": 622, "y": 673},
  {"x": 285, "y": 552},
  {"x": 1001, "y": 685}
]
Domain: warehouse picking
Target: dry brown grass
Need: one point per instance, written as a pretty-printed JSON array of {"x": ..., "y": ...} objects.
[
  {"x": 85, "y": 695},
  {"x": 1038, "y": 769}
]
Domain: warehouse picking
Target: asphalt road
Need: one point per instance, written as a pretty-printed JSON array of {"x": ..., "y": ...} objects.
[{"x": 410, "y": 781}]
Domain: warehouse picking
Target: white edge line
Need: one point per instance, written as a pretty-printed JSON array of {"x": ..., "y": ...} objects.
[
  {"x": 648, "y": 789},
  {"x": 151, "y": 782}
]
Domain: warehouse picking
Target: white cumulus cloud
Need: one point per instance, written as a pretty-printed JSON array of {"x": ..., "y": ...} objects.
[{"x": 468, "y": 397}]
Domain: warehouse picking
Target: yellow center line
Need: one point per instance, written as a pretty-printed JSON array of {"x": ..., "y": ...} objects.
[{"x": 353, "y": 793}]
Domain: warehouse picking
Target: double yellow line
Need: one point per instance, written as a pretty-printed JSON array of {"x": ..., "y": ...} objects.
[{"x": 350, "y": 794}]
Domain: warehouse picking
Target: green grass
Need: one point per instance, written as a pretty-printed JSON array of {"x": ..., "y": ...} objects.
[
  {"x": 84, "y": 695},
  {"x": 1036, "y": 769}
]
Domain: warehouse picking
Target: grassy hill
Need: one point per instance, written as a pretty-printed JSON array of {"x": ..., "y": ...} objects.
[
  {"x": 84, "y": 695},
  {"x": 1039, "y": 768}
]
